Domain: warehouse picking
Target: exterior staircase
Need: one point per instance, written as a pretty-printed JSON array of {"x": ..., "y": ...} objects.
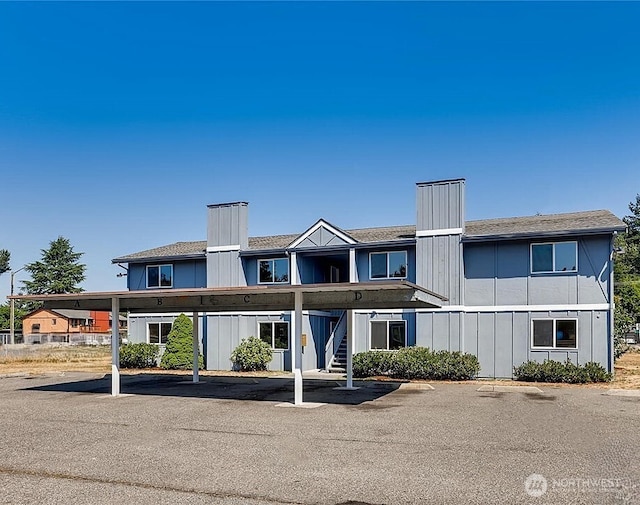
[{"x": 338, "y": 362}]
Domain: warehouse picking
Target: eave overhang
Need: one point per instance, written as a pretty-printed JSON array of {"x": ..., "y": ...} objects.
[{"x": 540, "y": 235}]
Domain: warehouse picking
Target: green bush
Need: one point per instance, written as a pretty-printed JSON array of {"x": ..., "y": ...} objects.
[
  {"x": 138, "y": 355},
  {"x": 178, "y": 354},
  {"x": 368, "y": 364},
  {"x": 556, "y": 371},
  {"x": 417, "y": 363},
  {"x": 252, "y": 354}
]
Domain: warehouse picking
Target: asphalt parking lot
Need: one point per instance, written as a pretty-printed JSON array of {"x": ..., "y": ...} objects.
[{"x": 64, "y": 440}]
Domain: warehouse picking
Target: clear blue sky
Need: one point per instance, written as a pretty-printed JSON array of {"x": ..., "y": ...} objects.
[{"x": 120, "y": 121}]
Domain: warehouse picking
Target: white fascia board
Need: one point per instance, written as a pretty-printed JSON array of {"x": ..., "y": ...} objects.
[
  {"x": 315, "y": 227},
  {"x": 497, "y": 308},
  {"x": 438, "y": 233},
  {"x": 223, "y": 248}
]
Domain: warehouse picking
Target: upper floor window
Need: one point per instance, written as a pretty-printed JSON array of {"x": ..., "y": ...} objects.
[
  {"x": 388, "y": 335},
  {"x": 388, "y": 265},
  {"x": 554, "y": 333},
  {"x": 273, "y": 271},
  {"x": 160, "y": 276},
  {"x": 554, "y": 257},
  {"x": 275, "y": 333}
]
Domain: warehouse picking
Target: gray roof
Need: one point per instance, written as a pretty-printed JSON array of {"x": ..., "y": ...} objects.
[{"x": 573, "y": 223}]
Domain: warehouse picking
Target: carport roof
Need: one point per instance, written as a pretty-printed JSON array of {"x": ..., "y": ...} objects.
[{"x": 378, "y": 295}]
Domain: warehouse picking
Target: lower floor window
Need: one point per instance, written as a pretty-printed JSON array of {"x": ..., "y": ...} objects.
[
  {"x": 560, "y": 333},
  {"x": 275, "y": 333},
  {"x": 158, "y": 332},
  {"x": 388, "y": 335}
]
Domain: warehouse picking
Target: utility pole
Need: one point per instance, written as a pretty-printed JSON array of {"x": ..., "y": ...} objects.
[{"x": 13, "y": 310}]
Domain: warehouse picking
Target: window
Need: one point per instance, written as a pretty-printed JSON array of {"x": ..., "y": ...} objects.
[
  {"x": 554, "y": 333},
  {"x": 158, "y": 332},
  {"x": 275, "y": 271},
  {"x": 53, "y": 321},
  {"x": 160, "y": 276},
  {"x": 275, "y": 333},
  {"x": 388, "y": 335},
  {"x": 35, "y": 328},
  {"x": 554, "y": 257},
  {"x": 388, "y": 265}
]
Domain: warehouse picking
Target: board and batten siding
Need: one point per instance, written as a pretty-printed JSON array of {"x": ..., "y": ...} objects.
[
  {"x": 499, "y": 273},
  {"x": 226, "y": 331},
  {"x": 186, "y": 274},
  {"x": 439, "y": 229}
]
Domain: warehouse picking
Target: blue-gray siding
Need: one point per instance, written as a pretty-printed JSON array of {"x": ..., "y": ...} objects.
[
  {"x": 186, "y": 274},
  {"x": 499, "y": 274},
  {"x": 440, "y": 205},
  {"x": 227, "y": 225}
]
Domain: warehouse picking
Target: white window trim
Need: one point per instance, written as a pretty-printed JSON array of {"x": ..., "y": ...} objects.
[
  {"x": 159, "y": 266},
  {"x": 272, "y": 323},
  {"x": 406, "y": 262},
  {"x": 553, "y": 258},
  {"x": 159, "y": 332},
  {"x": 288, "y": 281},
  {"x": 371, "y": 321},
  {"x": 554, "y": 347}
]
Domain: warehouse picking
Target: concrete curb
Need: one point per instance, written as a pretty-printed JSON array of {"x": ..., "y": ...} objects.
[
  {"x": 510, "y": 389},
  {"x": 623, "y": 392}
]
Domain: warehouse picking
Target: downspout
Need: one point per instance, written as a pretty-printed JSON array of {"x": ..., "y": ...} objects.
[{"x": 612, "y": 304}]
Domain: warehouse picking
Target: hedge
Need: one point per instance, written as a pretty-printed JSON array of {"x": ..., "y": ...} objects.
[
  {"x": 556, "y": 371},
  {"x": 138, "y": 355},
  {"x": 416, "y": 363}
]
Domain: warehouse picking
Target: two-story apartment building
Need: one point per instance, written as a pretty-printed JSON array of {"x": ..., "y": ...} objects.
[{"x": 513, "y": 289}]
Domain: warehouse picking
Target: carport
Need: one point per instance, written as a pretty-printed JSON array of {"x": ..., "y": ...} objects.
[{"x": 296, "y": 298}]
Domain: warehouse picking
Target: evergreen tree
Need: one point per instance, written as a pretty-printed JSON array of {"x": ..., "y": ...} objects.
[
  {"x": 59, "y": 271},
  {"x": 627, "y": 277},
  {"x": 5, "y": 256},
  {"x": 178, "y": 354}
]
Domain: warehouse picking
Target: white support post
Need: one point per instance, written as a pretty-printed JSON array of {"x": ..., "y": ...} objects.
[
  {"x": 349, "y": 349},
  {"x": 294, "y": 268},
  {"x": 196, "y": 348},
  {"x": 115, "y": 346},
  {"x": 297, "y": 345},
  {"x": 353, "y": 267}
]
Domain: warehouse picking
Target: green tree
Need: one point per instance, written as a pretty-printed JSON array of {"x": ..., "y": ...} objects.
[
  {"x": 178, "y": 354},
  {"x": 5, "y": 315},
  {"x": 59, "y": 271},
  {"x": 627, "y": 277},
  {"x": 5, "y": 256}
]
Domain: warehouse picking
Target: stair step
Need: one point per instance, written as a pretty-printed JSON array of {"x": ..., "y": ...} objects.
[{"x": 333, "y": 369}]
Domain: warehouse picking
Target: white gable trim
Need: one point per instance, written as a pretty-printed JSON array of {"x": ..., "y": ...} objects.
[{"x": 320, "y": 224}]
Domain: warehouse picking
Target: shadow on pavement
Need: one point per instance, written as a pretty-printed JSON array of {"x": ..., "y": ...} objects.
[{"x": 277, "y": 389}]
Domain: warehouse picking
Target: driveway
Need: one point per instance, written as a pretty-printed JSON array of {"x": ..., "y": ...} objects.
[{"x": 65, "y": 440}]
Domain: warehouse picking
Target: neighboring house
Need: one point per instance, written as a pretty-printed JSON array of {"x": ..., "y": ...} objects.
[
  {"x": 517, "y": 288},
  {"x": 64, "y": 323}
]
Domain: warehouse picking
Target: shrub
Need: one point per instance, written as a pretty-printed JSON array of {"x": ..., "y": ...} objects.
[
  {"x": 178, "y": 354},
  {"x": 252, "y": 354},
  {"x": 417, "y": 363},
  {"x": 138, "y": 355},
  {"x": 556, "y": 371},
  {"x": 367, "y": 364}
]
